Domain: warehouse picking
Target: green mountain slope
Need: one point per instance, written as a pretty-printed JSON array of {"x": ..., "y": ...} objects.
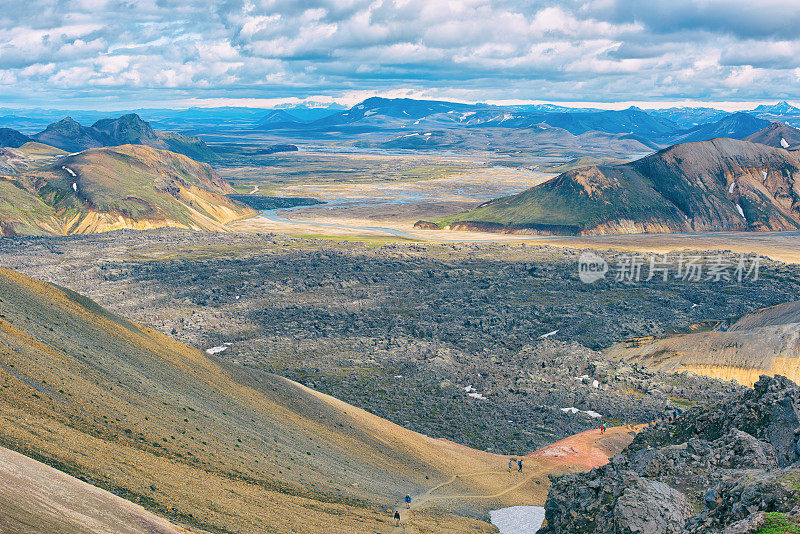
[
  {"x": 129, "y": 186},
  {"x": 718, "y": 185}
]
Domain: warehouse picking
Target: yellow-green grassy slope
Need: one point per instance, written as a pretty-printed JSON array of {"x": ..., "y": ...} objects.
[
  {"x": 128, "y": 186},
  {"x": 163, "y": 425}
]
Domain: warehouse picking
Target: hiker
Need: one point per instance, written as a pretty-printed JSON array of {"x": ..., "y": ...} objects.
[
  {"x": 511, "y": 463},
  {"x": 408, "y": 501},
  {"x": 602, "y": 429},
  {"x": 397, "y": 518},
  {"x": 519, "y": 463}
]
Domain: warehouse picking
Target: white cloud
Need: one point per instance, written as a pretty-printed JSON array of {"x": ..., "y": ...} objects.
[{"x": 468, "y": 49}]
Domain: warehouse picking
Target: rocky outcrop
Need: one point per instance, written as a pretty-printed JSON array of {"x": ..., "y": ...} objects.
[
  {"x": 614, "y": 498},
  {"x": 426, "y": 225},
  {"x": 731, "y": 461}
]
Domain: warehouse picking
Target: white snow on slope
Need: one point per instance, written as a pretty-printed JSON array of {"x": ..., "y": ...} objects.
[
  {"x": 545, "y": 336},
  {"x": 217, "y": 350},
  {"x": 741, "y": 211},
  {"x": 70, "y": 171},
  {"x": 471, "y": 392},
  {"x": 518, "y": 519},
  {"x": 763, "y": 176},
  {"x": 730, "y": 189},
  {"x": 74, "y": 187},
  {"x": 574, "y": 410},
  {"x": 784, "y": 144}
]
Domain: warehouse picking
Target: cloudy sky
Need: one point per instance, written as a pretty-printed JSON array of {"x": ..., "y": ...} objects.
[{"x": 121, "y": 54}]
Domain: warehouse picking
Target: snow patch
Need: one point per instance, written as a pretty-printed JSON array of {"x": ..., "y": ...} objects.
[
  {"x": 763, "y": 176},
  {"x": 74, "y": 187},
  {"x": 595, "y": 384},
  {"x": 70, "y": 171},
  {"x": 784, "y": 144},
  {"x": 217, "y": 350},
  {"x": 518, "y": 519},
  {"x": 741, "y": 211},
  {"x": 545, "y": 336},
  {"x": 471, "y": 392},
  {"x": 573, "y": 410},
  {"x": 730, "y": 189},
  {"x": 507, "y": 117},
  {"x": 405, "y": 112}
]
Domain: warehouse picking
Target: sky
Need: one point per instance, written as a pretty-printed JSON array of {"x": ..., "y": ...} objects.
[{"x": 112, "y": 54}]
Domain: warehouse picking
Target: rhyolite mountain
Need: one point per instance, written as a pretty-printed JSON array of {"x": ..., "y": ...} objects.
[
  {"x": 778, "y": 135},
  {"x": 109, "y": 188},
  {"x": 12, "y": 138},
  {"x": 69, "y": 135},
  {"x": 765, "y": 341},
  {"x": 734, "y": 126},
  {"x": 718, "y": 185}
]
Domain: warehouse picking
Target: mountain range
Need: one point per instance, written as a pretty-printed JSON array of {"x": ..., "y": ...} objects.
[
  {"x": 71, "y": 136},
  {"x": 461, "y": 125},
  {"x": 718, "y": 185}
]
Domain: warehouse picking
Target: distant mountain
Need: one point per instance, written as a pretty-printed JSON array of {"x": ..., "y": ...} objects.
[
  {"x": 734, "y": 126},
  {"x": 778, "y": 135},
  {"x": 688, "y": 117},
  {"x": 128, "y": 186},
  {"x": 276, "y": 119},
  {"x": 542, "y": 138},
  {"x": 781, "y": 108},
  {"x": 719, "y": 185},
  {"x": 424, "y": 115},
  {"x": 631, "y": 121},
  {"x": 127, "y": 129},
  {"x": 550, "y": 108},
  {"x": 12, "y": 138},
  {"x": 390, "y": 112},
  {"x": 311, "y": 111},
  {"x": 68, "y": 135}
]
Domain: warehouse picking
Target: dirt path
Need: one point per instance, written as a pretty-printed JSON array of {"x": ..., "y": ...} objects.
[
  {"x": 580, "y": 452},
  {"x": 588, "y": 449}
]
